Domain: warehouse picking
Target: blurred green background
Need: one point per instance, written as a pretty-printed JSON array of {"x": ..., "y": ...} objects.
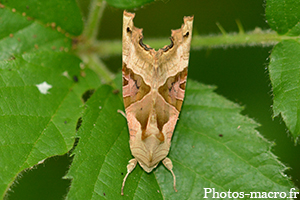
[{"x": 239, "y": 73}]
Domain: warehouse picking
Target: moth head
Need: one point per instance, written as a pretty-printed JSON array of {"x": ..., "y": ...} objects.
[
  {"x": 147, "y": 168},
  {"x": 151, "y": 152}
]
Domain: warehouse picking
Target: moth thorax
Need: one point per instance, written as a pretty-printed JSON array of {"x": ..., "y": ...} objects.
[
  {"x": 151, "y": 144},
  {"x": 150, "y": 159}
]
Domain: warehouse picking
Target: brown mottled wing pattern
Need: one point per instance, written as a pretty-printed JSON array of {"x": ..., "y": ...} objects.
[{"x": 153, "y": 89}]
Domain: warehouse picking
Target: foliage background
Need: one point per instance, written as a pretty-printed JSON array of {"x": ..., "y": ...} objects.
[{"x": 239, "y": 73}]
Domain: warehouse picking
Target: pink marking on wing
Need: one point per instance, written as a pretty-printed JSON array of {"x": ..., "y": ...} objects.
[{"x": 180, "y": 94}]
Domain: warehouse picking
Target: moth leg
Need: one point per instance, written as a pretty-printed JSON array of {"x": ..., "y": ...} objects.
[
  {"x": 122, "y": 113},
  {"x": 168, "y": 164},
  {"x": 130, "y": 167}
]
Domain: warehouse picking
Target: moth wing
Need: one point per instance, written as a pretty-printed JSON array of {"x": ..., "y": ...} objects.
[{"x": 173, "y": 67}]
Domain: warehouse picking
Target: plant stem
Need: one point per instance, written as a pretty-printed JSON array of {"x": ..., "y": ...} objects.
[
  {"x": 96, "y": 64},
  {"x": 253, "y": 38},
  {"x": 257, "y": 37},
  {"x": 93, "y": 21},
  {"x": 90, "y": 34}
]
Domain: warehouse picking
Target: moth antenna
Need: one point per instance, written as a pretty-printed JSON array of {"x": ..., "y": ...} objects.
[
  {"x": 174, "y": 180},
  {"x": 123, "y": 184},
  {"x": 130, "y": 167},
  {"x": 168, "y": 164}
]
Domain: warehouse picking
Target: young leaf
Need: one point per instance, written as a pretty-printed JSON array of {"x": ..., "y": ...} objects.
[
  {"x": 213, "y": 147},
  {"x": 283, "y": 16},
  {"x": 285, "y": 74},
  {"x": 127, "y": 4}
]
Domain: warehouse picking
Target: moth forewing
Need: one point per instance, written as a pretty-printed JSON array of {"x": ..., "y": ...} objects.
[{"x": 153, "y": 92}]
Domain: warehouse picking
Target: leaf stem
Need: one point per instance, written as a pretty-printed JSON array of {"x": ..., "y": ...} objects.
[
  {"x": 93, "y": 21},
  {"x": 96, "y": 64},
  {"x": 90, "y": 36},
  {"x": 253, "y": 38},
  {"x": 257, "y": 37}
]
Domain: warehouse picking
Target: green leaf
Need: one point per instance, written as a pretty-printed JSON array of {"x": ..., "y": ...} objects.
[
  {"x": 37, "y": 124},
  {"x": 213, "y": 147},
  {"x": 64, "y": 14},
  {"x": 22, "y": 36},
  {"x": 283, "y": 16},
  {"x": 103, "y": 151},
  {"x": 40, "y": 86},
  {"x": 127, "y": 4},
  {"x": 284, "y": 74}
]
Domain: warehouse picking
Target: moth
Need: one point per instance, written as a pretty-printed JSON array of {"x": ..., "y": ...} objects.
[{"x": 153, "y": 91}]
